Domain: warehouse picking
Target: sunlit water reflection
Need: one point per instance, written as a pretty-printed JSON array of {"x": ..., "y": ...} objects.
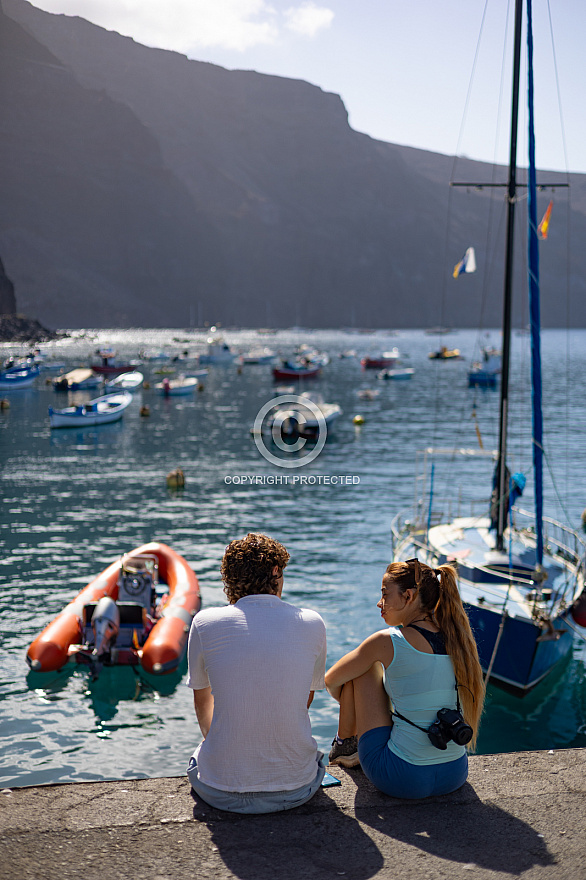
[{"x": 74, "y": 500}]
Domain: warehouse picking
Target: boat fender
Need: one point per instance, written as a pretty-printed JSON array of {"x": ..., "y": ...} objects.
[{"x": 578, "y": 610}]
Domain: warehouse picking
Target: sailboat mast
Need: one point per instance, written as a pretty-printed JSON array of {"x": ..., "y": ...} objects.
[{"x": 502, "y": 487}]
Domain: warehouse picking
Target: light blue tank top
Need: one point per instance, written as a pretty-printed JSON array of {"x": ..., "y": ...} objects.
[{"x": 419, "y": 684}]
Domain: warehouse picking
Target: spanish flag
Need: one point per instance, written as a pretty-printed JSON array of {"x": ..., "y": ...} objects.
[
  {"x": 544, "y": 225},
  {"x": 466, "y": 264}
]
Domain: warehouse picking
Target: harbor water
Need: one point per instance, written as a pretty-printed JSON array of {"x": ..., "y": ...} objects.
[{"x": 74, "y": 500}]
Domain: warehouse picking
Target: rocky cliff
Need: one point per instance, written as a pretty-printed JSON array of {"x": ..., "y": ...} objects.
[
  {"x": 7, "y": 299},
  {"x": 145, "y": 188}
]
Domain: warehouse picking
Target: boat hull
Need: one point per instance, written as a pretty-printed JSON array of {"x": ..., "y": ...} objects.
[
  {"x": 165, "y": 646},
  {"x": 525, "y": 655},
  {"x": 125, "y": 382},
  {"x": 111, "y": 369},
  {"x": 177, "y": 388},
  {"x": 287, "y": 374},
  {"x": 101, "y": 411}
]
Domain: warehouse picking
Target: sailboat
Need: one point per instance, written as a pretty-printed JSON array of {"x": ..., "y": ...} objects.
[{"x": 519, "y": 573}]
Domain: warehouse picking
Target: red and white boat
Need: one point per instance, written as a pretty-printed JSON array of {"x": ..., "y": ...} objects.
[
  {"x": 383, "y": 361},
  {"x": 138, "y": 611}
]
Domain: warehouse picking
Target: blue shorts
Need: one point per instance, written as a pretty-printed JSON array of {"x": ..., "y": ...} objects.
[
  {"x": 398, "y": 778},
  {"x": 255, "y": 801}
]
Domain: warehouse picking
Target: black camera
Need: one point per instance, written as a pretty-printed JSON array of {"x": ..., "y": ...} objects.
[{"x": 449, "y": 725}]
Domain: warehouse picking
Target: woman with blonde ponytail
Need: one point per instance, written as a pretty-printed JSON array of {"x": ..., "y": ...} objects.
[{"x": 392, "y": 687}]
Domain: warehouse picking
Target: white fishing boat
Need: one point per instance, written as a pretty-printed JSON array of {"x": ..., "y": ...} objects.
[
  {"x": 520, "y": 573},
  {"x": 100, "y": 411},
  {"x": 125, "y": 382},
  {"x": 398, "y": 374},
  {"x": 304, "y": 419},
  {"x": 218, "y": 352},
  {"x": 179, "y": 387}
]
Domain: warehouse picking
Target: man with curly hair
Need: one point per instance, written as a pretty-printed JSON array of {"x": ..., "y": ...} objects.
[{"x": 253, "y": 667}]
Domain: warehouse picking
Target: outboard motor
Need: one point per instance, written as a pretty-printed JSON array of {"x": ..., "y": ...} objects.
[{"x": 105, "y": 624}]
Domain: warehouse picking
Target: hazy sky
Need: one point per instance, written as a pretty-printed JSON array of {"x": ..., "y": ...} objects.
[{"x": 402, "y": 67}]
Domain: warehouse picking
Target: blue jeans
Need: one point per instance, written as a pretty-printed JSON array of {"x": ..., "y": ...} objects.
[
  {"x": 398, "y": 778},
  {"x": 255, "y": 801}
]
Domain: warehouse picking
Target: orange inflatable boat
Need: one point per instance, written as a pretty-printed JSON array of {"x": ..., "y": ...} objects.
[{"x": 138, "y": 611}]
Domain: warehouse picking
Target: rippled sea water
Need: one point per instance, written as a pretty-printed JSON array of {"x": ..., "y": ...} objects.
[{"x": 75, "y": 500}]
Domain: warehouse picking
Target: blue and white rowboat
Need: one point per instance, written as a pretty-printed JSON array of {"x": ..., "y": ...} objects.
[{"x": 100, "y": 411}]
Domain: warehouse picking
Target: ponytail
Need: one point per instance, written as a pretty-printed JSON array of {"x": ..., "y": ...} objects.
[
  {"x": 440, "y": 598},
  {"x": 453, "y": 622}
]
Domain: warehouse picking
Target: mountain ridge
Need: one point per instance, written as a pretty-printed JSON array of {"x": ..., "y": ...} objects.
[{"x": 259, "y": 204}]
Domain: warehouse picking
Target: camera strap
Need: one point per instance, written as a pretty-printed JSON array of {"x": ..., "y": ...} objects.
[{"x": 424, "y": 729}]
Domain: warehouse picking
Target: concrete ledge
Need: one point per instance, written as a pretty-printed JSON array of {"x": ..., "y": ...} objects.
[{"x": 521, "y": 814}]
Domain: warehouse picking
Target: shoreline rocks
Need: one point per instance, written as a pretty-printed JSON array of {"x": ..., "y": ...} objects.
[{"x": 19, "y": 328}]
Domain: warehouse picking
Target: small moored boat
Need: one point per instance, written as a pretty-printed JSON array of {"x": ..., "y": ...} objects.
[
  {"x": 181, "y": 386},
  {"x": 109, "y": 365},
  {"x": 387, "y": 359},
  {"x": 218, "y": 352},
  {"x": 397, "y": 373},
  {"x": 295, "y": 370},
  {"x": 100, "y": 411},
  {"x": 138, "y": 611},
  {"x": 19, "y": 376},
  {"x": 76, "y": 380},
  {"x": 305, "y": 418},
  {"x": 446, "y": 354},
  {"x": 259, "y": 356},
  {"x": 125, "y": 382}
]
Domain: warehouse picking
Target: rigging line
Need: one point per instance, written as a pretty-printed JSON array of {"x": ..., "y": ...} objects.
[
  {"x": 567, "y": 165},
  {"x": 469, "y": 93},
  {"x": 557, "y": 84},
  {"x": 442, "y": 315},
  {"x": 555, "y": 488},
  {"x": 568, "y": 325}
]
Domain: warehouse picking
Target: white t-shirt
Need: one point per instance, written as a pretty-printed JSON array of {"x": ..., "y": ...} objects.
[{"x": 261, "y": 657}]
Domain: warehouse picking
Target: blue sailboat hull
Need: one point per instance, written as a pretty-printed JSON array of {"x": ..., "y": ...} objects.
[{"x": 525, "y": 654}]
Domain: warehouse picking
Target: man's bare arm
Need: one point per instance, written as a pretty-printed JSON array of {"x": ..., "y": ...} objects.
[{"x": 204, "y": 709}]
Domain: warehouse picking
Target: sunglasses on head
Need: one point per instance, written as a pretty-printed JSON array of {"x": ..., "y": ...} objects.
[{"x": 416, "y": 570}]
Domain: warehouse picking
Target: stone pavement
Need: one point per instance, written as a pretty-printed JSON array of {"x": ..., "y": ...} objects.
[{"x": 520, "y": 815}]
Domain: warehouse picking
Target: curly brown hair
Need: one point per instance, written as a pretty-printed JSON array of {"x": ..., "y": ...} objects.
[{"x": 248, "y": 564}]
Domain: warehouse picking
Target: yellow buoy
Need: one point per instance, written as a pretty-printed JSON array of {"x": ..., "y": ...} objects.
[
  {"x": 176, "y": 479},
  {"x": 4, "y": 404},
  {"x": 145, "y": 410},
  {"x": 146, "y": 385},
  {"x": 358, "y": 420}
]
